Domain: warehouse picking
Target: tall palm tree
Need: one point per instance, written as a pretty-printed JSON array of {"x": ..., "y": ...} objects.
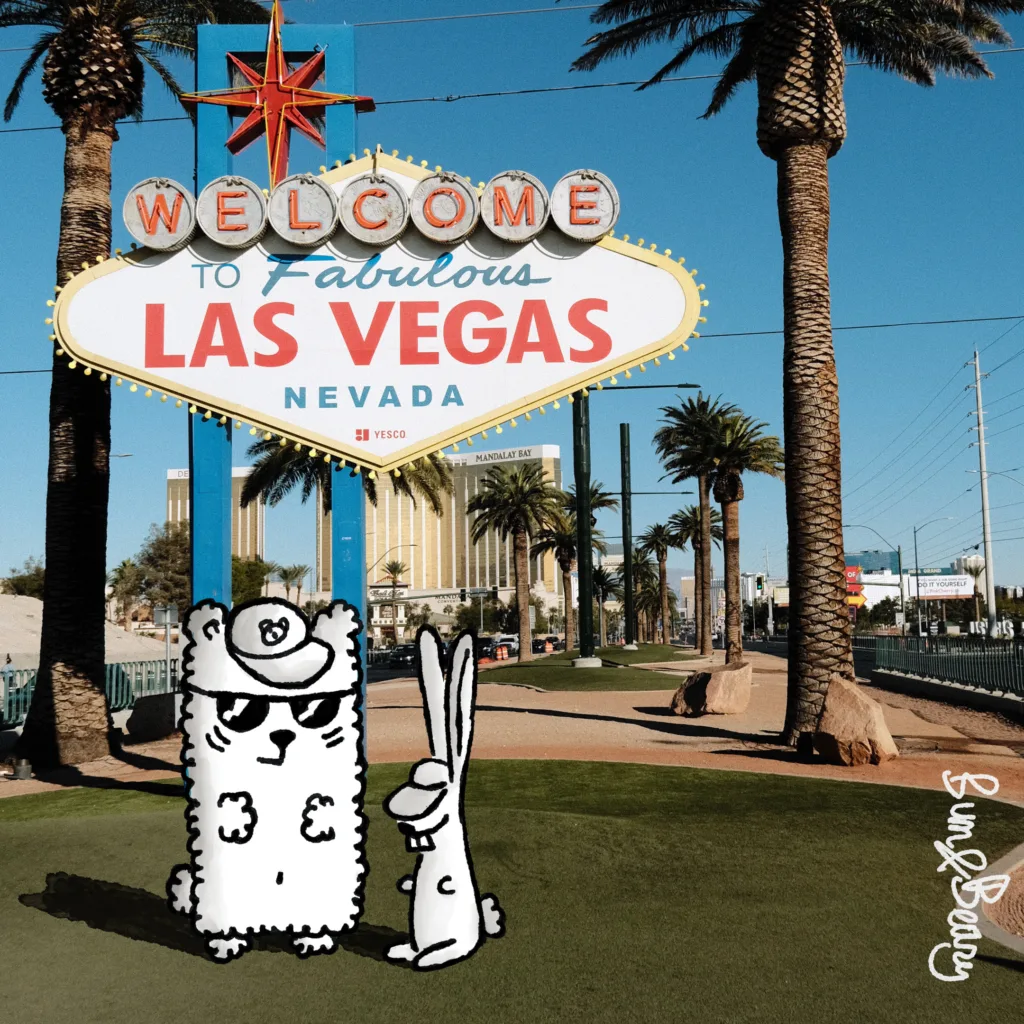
[
  {"x": 686, "y": 526},
  {"x": 683, "y": 444},
  {"x": 976, "y": 570},
  {"x": 94, "y": 62},
  {"x": 301, "y": 572},
  {"x": 394, "y": 570},
  {"x": 606, "y": 585},
  {"x": 520, "y": 501},
  {"x": 560, "y": 537},
  {"x": 657, "y": 540},
  {"x": 739, "y": 447},
  {"x": 793, "y": 49},
  {"x": 600, "y": 499},
  {"x": 290, "y": 575},
  {"x": 126, "y": 586}
]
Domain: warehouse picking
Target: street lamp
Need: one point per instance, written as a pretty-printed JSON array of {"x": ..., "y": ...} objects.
[
  {"x": 899, "y": 565},
  {"x": 996, "y": 472},
  {"x": 917, "y": 566}
]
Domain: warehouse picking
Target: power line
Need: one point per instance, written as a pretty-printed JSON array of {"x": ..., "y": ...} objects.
[
  {"x": 454, "y": 98},
  {"x": 1003, "y": 335}
]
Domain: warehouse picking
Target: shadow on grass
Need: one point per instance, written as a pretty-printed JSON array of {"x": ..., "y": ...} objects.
[
  {"x": 1002, "y": 961},
  {"x": 71, "y": 776},
  {"x": 680, "y": 729},
  {"x": 144, "y": 916}
]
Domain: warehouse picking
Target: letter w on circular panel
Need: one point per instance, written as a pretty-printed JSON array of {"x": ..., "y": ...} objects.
[
  {"x": 160, "y": 214},
  {"x": 374, "y": 209},
  {"x": 232, "y": 212},
  {"x": 584, "y": 205},
  {"x": 444, "y": 208},
  {"x": 304, "y": 210},
  {"x": 515, "y": 206}
]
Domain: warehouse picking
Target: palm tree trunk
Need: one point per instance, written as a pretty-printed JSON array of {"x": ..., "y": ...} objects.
[
  {"x": 666, "y": 626},
  {"x": 731, "y": 531},
  {"x": 819, "y": 626},
  {"x": 698, "y": 597},
  {"x": 704, "y": 501},
  {"x": 68, "y": 721},
  {"x": 570, "y": 639},
  {"x": 394, "y": 612},
  {"x": 977, "y": 606},
  {"x": 521, "y": 551}
]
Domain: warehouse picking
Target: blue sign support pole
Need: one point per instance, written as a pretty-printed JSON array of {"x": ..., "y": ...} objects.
[{"x": 209, "y": 444}]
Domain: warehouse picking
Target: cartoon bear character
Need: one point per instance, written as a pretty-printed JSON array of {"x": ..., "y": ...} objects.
[{"x": 275, "y": 775}]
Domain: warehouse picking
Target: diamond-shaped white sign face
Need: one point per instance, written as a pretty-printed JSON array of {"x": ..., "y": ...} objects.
[{"x": 377, "y": 355}]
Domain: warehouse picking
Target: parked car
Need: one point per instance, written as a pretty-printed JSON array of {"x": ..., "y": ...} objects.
[
  {"x": 509, "y": 641},
  {"x": 403, "y": 656},
  {"x": 557, "y": 643},
  {"x": 484, "y": 647},
  {"x": 538, "y": 645}
]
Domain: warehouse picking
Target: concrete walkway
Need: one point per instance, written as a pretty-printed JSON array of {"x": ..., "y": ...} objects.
[{"x": 634, "y": 726}]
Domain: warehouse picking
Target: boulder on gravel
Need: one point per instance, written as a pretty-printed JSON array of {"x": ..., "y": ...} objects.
[
  {"x": 852, "y": 729},
  {"x": 724, "y": 690}
]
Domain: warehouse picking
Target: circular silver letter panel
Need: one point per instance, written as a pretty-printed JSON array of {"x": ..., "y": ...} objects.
[
  {"x": 232, "y": 212},
  {"x": 374, "y": 209},
  {"x": 303, "y": 210},
  {"x": 160, "y": 214},
  {"x": 445, "y": 208},
  {"x": 515, "y": 206},
  {"x": 585, "y": 205}
]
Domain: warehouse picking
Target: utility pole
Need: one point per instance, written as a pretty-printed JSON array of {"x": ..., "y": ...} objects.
[
  {"x": 771, "y": 599},
  {"x": 990, "y": 583},
  {"x": 584, "y": 536},
  {"x": 627, "y": 539}
]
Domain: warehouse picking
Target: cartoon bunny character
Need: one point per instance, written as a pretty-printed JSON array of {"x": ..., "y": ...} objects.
[
  {"x": 275, "y": 776},
  {"x": 448, "y": 918}
]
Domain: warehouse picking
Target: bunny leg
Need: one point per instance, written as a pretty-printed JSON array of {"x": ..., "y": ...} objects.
[
  {"x": 439, "y": 954},
  {"x": 403, "y": 951},
  {"x": 493, "y": 916}
]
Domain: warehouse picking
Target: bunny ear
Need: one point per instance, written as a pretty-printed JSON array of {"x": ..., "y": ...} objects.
[
  {"x": 461, "y": 700},
  {"x": 434, "y": 690}
]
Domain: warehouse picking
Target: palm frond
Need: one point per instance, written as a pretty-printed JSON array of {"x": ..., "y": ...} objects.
[{"x": 38, "y": 49}]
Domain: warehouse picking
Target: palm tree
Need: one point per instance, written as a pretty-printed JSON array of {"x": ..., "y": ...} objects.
[
  {"x": 975, "y": 570},
  {"x": 126, "y": 585},
  {"x": 599, "y": 498},
  {"x": 656, "y": 541},
  {"x": 394, "y": 570},
  {"x": 793, "y": 49},
  {"x": 301, "y": 572},
  {"x": 271, "y": 569},
  {"x": 278, "y": 469},
  {"x": 606, "y": 585},
  {"x": 290, "y": 575},
  {"x": 560, "y": 537},
  {"x": 738, "y": 447},
  {"x": 516, "y": 500},
  {"x": 683, "y": 445},
  {"x": 686, "y": 526},
  {"x": 645, "y": 578},
  {"x": 94, "y": 62}
]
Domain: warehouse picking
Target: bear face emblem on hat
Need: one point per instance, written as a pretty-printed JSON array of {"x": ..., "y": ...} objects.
[{"x": 273, "y": 642}]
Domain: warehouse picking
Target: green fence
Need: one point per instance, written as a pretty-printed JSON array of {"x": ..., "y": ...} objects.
[
  {"x": 125, "y": 682},
  {"x": 973, "y": 661}
]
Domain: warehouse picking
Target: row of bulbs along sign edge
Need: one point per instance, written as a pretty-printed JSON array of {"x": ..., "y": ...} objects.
[{"x": 379, "y": 312}]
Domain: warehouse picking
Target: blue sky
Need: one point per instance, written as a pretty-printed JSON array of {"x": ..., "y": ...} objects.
[{"x": 927, "y": 224}]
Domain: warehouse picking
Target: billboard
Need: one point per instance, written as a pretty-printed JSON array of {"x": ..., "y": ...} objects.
[
  {"x": 940, "y": 588},
  {"x": 379, "y": 312}
]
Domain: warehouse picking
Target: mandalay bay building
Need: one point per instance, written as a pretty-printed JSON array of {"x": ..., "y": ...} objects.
[{"x": 438, "y": 551}]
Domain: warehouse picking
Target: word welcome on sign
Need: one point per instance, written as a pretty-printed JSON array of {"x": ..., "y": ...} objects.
[
  {"x": 274, "y": 313},
  {"x": 304, "y": 210}
]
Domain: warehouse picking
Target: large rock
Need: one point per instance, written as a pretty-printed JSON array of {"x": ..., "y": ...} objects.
[
  {"x": 725, "y": 690},
  {"x": 154, "y": 717},
  {"x": 852, "y": 728}
]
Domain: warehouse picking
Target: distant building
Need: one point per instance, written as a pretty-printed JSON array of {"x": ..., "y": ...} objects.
[
  {"x": 247, "y": 524},
  {"x": 438, "y": 551},
  {"x": 874, "y": 561}
]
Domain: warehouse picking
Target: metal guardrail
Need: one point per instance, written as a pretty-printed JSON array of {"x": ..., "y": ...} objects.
[
  {"x": 972, "y": 661},
  {"x": 126, "y": 681}
]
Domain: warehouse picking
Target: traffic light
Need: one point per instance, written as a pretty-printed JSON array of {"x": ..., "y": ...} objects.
[
  {"x": 462, "y": 595},
  {"x": 760, "y": 583}
]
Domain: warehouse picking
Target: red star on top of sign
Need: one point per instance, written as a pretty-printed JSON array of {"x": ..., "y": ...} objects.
[{"x": 277, "y": 101}]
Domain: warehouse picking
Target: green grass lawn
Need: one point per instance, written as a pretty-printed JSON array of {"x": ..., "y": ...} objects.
[
  {"x": 555, "y": 671},
  {"x": 633, "y": 893}
]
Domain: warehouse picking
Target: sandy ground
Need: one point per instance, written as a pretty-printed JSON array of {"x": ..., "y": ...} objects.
[{"x": 637, "y": 726}]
